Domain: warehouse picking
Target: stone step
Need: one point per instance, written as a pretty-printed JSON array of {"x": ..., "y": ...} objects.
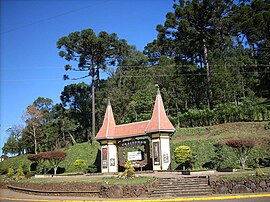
[
  {"x": 179, "y": 194},
  {"x": 180, "y": 184},
  {"x": 186, "y": 180},
  {"x": 183, "y": 188},
  {"x": 188, "y": 186},
  {"x": 181, "y": 191}
]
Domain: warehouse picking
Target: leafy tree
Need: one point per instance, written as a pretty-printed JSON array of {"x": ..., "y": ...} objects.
[
  {"x": 242, "y": 148},
  {"x": 45, "y": 105},
  {"x": 54, "y": 158},
  {"x": 92, "y": 52},
  {"x": 34, "y": 119},
  {"x": 14, "y": 144},
  {"x": 76, "y": 100}
]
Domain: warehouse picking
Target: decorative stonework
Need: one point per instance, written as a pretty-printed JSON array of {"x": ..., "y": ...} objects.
[
  {"x": 126, "y": 191},
  {"x": 240, "y": 186}
]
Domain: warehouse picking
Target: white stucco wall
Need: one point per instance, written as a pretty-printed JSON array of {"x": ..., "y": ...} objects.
[
  {"x": 165, "y": 152},
  {"x": 112, "y": 157}
]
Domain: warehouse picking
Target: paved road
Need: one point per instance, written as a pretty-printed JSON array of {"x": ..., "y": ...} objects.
[{"x": 7, "y": 195}]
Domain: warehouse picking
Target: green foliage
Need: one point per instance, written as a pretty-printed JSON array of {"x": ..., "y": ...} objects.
[
  {"x": 129, "y": 171},
  {"x": 15, "y": 162},
  {"x": 183, "y": 156},
  {"x": 218, "y": 159},
  {"x": 84, "y": 151},
  {"x": 80, "y": 165},
  {"x": 92, "y": 169},
  {"x": 223, "y": 113},
  {"x": 20, "y": 173},
  {"x": 10, "y": 172},
  {"x": 259, "y": 172},
  {"x": 14, "y": 144}
]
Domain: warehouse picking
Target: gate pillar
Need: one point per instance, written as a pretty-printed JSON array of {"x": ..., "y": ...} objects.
[
  {"x": 109, "y": 156},
  {"x": 161, "y": 152}
]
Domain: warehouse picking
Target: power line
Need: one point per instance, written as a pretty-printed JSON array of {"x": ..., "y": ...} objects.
[
  {"x": 52, "y": 17},
  {"x": 141, "y": 66},
  {"x": 142, "y": 76},
  {"x": 197, "y": 74}
]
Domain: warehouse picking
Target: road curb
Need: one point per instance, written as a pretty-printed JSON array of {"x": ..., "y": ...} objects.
[{"x": 210, "y": 198}]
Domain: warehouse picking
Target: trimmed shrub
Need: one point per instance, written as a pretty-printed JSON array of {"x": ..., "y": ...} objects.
[
  {"x": 80, "y": 165},
  {"x": 10, "y": 172},
  {"x": 183, "y": 156},
  {"x": 19, "y": 173}
]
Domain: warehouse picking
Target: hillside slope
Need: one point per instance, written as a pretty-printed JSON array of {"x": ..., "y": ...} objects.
[{"x": 200, "y": 139}]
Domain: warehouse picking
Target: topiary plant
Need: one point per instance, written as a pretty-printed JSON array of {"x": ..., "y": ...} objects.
[
  {"x": 10, "y": 172},
  {"x": 183, "y": 156},
  {"x": 80, "y": 164},
  {"x": 19, "y": 173}
]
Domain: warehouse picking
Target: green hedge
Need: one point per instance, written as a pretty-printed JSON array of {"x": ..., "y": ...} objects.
[{"x": 248, "y": 110}]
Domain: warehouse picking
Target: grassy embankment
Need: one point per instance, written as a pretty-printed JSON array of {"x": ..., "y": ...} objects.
[{"x": 200, "y": 139}]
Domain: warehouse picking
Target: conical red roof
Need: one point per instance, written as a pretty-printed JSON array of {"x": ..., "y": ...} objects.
[
  {"x": 159, "y": 121},
  {"x": 108, "y": 127}
]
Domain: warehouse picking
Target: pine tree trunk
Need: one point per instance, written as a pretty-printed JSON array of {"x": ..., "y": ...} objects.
[
  {"x": 93, "y": 105},
  {"x": 206, "y": 63}
]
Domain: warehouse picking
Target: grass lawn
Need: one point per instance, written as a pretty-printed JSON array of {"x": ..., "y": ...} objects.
[{"x": 83, "y": 179}]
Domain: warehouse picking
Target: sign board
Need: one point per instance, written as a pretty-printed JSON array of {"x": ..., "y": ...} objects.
[
  {"x": 104, "y": 157},
  {"x": 134, "y": 156}
]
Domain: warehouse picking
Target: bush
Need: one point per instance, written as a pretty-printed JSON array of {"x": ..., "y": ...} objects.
[
  {"x": 80, "y": 165},
  {"x": 183, "y": 156},
  {"x": 91, "y": 169},
  {"x": 217, "y": 161},
  {"x": 19, "y": 173},
  {"x": 10, "y": 172},
  {"x": 129, "y": 171},
  {"x": 259, "y": 172}
]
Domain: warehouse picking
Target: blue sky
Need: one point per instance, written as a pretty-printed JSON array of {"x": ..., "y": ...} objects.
[{"x": 29, "y": 30}]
